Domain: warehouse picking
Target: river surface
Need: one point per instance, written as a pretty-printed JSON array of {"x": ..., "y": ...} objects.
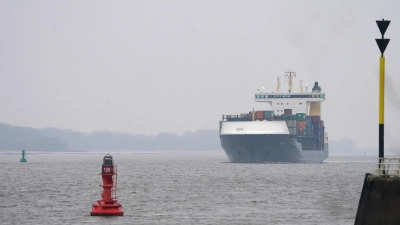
[{"x": 181, "y": 188}]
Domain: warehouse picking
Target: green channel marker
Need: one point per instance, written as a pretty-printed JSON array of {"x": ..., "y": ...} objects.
[{"x": 23, "y": 157}]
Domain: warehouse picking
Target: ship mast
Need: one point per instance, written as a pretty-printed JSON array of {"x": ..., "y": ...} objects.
[
  {"x": 301, "y": 86},
  {"x": 290, "y": 75},
  {"x": 278, "y": 86},
  {"x": 253, "y": 115}
]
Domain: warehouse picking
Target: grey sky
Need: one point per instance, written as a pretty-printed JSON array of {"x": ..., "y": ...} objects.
[{"x": 171, "y": 66}]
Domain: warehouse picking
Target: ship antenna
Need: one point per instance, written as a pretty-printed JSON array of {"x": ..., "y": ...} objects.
[
  {"x": 278, "y": 86},
  {"x": 290, "y": 75},
  {"x": 301, "y": 86},
  {"x": 306, "y": 88}
]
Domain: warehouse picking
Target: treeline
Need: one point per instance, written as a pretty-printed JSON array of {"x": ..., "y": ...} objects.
[
  {"x": 17, "y": 138},
  {"x": 53, "y": 139}
]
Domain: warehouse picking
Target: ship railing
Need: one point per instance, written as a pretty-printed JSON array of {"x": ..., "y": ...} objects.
[
  {"x": 389, "y": 167},
  {"x": 114, "y": 188},
  {"x": 236, "y": 117}
]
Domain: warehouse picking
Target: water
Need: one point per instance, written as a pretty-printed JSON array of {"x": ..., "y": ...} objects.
[{"x": 181, "y": 188}]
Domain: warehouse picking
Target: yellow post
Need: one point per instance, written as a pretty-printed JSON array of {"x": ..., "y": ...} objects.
[
  {"x": 382, "y": 91},
  {"x": 381, "y": 106}
]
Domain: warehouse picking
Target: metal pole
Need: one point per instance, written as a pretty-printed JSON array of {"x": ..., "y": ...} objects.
[
  {"x": 381, "y": 106},
  {"x": 382, "y": 44}
]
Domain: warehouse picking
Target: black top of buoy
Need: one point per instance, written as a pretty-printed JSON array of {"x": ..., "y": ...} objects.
[{"x": 108, "y": 160}]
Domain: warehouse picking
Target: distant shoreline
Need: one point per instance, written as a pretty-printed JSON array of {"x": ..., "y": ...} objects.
[{"x": 6, "y": 152}]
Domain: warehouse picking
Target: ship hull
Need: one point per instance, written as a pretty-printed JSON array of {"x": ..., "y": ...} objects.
[{"x": 268, "y": 148}]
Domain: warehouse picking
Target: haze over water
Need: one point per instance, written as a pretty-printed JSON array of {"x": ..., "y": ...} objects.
[
  {"x": 145, "y": 67},
  {"x": 181, "y": 188}
]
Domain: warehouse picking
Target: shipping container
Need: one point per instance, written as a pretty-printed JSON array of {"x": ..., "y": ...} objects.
[
  {"x": 287, "y": 111},
  {"x": 285, "y": 116},
  {"x": 301, "y": 133},
  {"x": 315, "y": 119},
  {"x": 316, "y": 130},
  {"x": 260, "y": 115},
  {"x": 322, "y": 134},
  {"x": 308, "y": 122},
  {"x": 300, "y": 116},
  {"x": 245, "y": 117},
  {"x": 288, "y": 117},
  {"x": 301, "y": 125},
  {"x": 268, "y": 114},
  {"x": 308, "y": 130},
  {"x": 277, "y": 117}
]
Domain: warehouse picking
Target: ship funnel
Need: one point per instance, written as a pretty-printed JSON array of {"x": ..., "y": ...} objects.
[{"x": 316, "y": 88}]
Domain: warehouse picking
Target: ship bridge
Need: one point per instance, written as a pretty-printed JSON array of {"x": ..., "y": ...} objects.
[{"x": 292, "y": 103}]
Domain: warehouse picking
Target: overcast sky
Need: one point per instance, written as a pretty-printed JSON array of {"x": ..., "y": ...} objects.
[{"x": 172, "y": 66}]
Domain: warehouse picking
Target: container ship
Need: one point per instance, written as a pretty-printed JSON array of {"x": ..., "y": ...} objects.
[{"x": 291, "y": 131}]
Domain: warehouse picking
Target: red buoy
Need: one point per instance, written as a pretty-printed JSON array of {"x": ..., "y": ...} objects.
[{"x": 108, "y": 205}]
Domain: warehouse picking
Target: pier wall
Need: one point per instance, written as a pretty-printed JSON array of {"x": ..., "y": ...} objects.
[{"x": 379, "y": 201}]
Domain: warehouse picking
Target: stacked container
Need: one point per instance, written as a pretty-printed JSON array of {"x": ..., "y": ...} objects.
[
  {"x": 244, "y": 115},
  {"x": 308, "y": 125},
  {"x": 301, "y": 123},
  {"x": 315, "y": 119},
  {"x": 322, "y": 132},
  {"x": 301, "y": 127},
  {"x": 259, "y": 115},
  {"x": 308, "y": 121},
  {"x": 268, "y": 114},
  {"x": 233, "y": 118},
  {"x": 300, "y": 116},
  {"x": 288, "y": 117}
]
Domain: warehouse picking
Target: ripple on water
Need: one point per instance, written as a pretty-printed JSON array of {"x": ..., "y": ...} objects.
[{"x": 193, "y": 188}]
